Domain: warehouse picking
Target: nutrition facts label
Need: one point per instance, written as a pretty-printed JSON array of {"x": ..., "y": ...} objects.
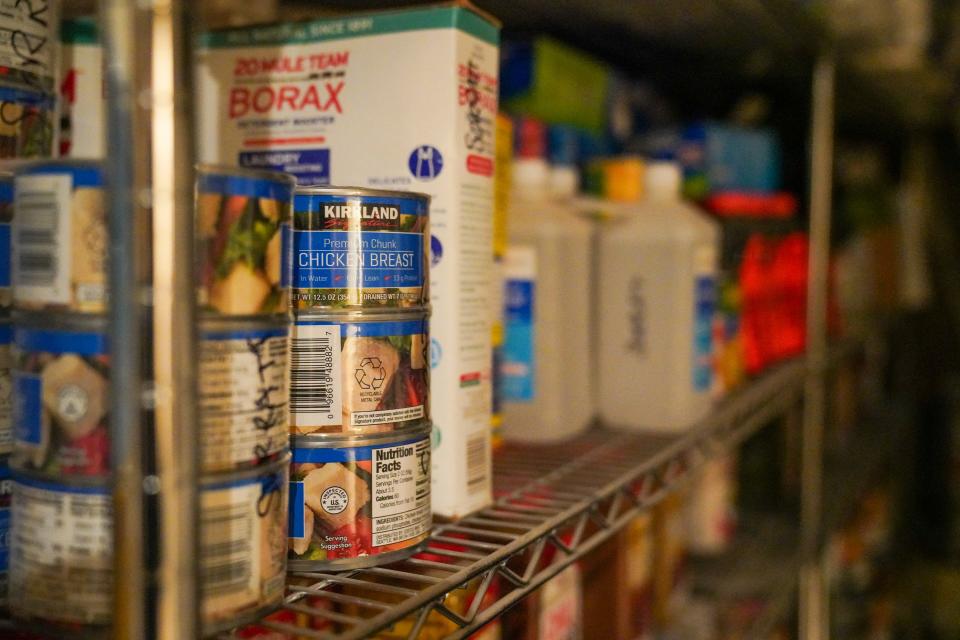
[
  {"x": 243, "y": 397},
  {"x": 401, "y": 492},
  {"x": 60, "y": 552}
]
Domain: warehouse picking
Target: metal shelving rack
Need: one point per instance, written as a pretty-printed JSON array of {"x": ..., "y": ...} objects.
[{"x": 554, "y": 505}]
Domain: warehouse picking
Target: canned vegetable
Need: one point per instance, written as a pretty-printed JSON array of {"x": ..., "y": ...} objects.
[
  {"x": 61, "y": 374},
  {"x": 28, "y": 42},
  {"x": 61, "y": 565},
  {"x": 6, "y": 387},
  {"x": 26, "y": 122},
  {"x": 61, "y": 559},
  {"x": 243, "y": 391},
  {"x": 243, "y": 218},
  {"x": 352, "y": 373},
  {"x": 363, "y": 248},
  {"x": 243, "y": 529},
  {"x": 6, "y": 217},
  {"x": 6, "y": 490},
  {"x": 59, "y": 237},
  {"x": 359, "y": 501}
]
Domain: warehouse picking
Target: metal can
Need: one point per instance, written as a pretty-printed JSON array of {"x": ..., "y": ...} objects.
[
  {"x": 358, "y": 373},
  {"x": 59, "y": 237},
  {"x": 26, "y": 122},
  {"x": 6, "y": 494},
  {"x": 6, "y": 386},
  {"x": 359, "y": 501},
  {"x": 61, "y": 401},
  {"x": 243, "y": 391},
  {"x": 243, "y": 218},
  {"x": 28, "y": 42},
  {"x": 243, "y": 532},
  {"x": 61, "y": 551},
  {"x": 6, "y": 217},
  {"x": 360, "y": 248}
]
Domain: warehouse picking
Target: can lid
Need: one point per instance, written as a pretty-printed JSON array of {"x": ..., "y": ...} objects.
[
  {"x": 359, "y": 192},
  {"x": 342, "y": 440}
]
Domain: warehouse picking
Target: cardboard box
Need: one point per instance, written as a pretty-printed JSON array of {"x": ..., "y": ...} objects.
[
  {"x": 82, "y": 103},
  {"x": 394, "y": 100}
]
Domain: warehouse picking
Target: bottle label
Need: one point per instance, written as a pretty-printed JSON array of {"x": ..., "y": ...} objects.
[
  {"x": 704, "y": 303},
  {"x": 517, "y": 366}
]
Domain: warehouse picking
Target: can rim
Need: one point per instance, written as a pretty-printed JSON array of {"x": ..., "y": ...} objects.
[
  {"x": 228, "y": 169},
  {"x": 359, "y": 315},
  {"x": 68, "y": 321},
  {"x": 209, "y": 321},
  {"x": 353, "y": 440},
  {"x": 358, "y": 192},
  {"x": 211, "y": 479},
  {"x": 20, "y": 166}
]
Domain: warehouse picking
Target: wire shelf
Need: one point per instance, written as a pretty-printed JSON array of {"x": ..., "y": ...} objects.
[{"x": 553, "y": 505}]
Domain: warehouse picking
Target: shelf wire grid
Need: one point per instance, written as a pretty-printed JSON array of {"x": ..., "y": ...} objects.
[{"x": 553, "y": 505}]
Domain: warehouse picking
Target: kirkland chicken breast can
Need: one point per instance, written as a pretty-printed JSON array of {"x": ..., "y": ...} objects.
[
  {"x": 359, "y": 501},
  {"x": 359, "y": 248},
  {"x": 359, "y": 373}
]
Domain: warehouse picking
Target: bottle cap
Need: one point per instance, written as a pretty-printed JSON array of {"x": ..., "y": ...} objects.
[
  {"x": 530, "y": 138},
  {"x": 563, "y": 145},
  {"x": 663, "y": 180}
]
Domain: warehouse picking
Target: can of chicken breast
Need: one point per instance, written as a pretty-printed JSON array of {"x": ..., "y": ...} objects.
[
  {"x": 243, "y": 396},
  {"x": 243, "y": 232},
  {"x": 359, "y": 373},
  {"x": 359, "y": 501},
  {"x": 356, "y": 248},
  {"x": 61, "y": 385},
  {"x": 61, "y": 548},
  {"x": 59, "y": 237},
  {"x": 6, "y": 386}
]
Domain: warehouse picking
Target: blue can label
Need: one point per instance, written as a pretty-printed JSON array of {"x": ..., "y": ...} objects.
[{"x": 357, "y": 250}]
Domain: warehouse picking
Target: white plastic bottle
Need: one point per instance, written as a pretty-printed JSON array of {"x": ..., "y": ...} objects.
[
  {"x": 656, "y": 279},
  {"x": 546, "y": 377}
]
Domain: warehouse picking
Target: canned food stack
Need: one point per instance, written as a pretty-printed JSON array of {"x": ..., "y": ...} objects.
[
  {"x": 60, "y": 542},
  {"x": 28, "y": 64},
  {"x": 243, "y": 216},
  {"x": 359, "y": 378},
  {"x": 27, "y": 83}
]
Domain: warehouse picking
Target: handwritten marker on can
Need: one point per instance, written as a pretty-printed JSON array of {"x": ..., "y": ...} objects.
[
  {"x": 243, "y": 396},
  {"x": 59, "y": 237},
  {"x": 243, "y": 218},
  {"x": 359, "y": 248},
  {"x": 359, "y": 374}
]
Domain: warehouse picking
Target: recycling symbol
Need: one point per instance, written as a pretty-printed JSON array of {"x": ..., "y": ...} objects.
[
  {"x": 72, "y": 403},
  {"x": 370, "y": 374}
]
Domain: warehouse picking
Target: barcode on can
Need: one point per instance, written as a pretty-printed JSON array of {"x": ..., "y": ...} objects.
[
  {"x": 228, "y": 551},
  {"x": 315, "y": 394},
  {"x": 41, "y": 238},
  {"x": 478, "y": 462}
]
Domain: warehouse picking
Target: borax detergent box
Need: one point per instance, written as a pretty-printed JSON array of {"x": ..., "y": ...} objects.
[{"x": 396, "y": 100}]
